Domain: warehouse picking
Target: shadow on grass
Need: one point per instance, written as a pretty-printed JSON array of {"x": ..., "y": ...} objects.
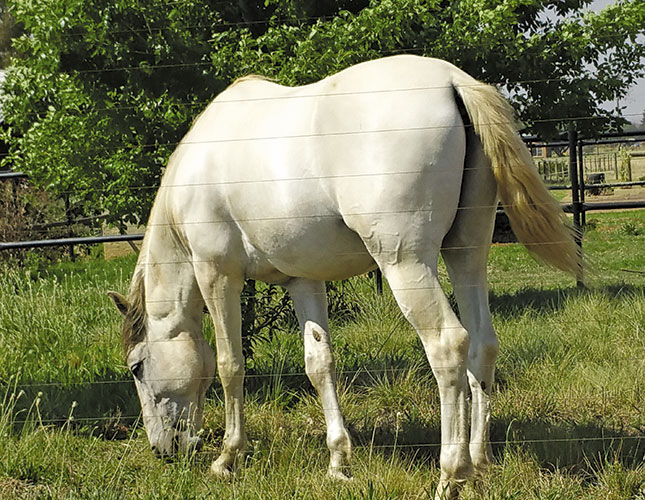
[
  {"x": 110, "y": 400},
  {"x": 581, "y": 449},
  {"x": 552, "y": 300},
  {"x": 103, "y": 406}
]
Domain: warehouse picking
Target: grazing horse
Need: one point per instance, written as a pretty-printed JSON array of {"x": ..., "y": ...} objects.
[{"x": 384, "y": 164}]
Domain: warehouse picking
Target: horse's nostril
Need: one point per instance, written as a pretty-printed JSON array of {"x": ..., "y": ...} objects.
[{"x": 155, "y": 451}]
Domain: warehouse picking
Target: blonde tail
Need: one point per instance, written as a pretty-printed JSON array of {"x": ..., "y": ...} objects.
[{"x": 535, "y": 216}]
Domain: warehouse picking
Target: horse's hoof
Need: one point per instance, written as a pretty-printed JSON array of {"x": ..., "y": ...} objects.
[
  {"x": 482, "y": 460},
  {"x": 481, "y": 470},
  {"x": 221, "y": 471},
  {"x": 449, "y": 489},
  {"x": 339, "y": 474}
]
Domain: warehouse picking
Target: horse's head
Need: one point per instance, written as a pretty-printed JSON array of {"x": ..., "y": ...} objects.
[{"x": 172, "y": 370}]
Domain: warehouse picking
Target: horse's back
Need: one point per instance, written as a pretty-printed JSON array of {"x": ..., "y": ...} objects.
[{"x": 313, "y": 180}]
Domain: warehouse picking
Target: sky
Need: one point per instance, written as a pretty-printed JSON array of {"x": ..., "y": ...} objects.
[{"x": 635, "y": 101}]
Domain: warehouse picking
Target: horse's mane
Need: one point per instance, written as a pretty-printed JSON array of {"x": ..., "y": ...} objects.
[{"x": 134, "y": 324}]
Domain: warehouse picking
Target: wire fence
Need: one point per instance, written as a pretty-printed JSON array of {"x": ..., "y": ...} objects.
[
  {"x": 128, "y": 423},
  {"x": 573, "y": 168},
  {"x": 375, "y": 373},
  {"x": 563, "y": 171},
  {"x": 269, "y": 21},
  {"x": 576, "y": 175}
]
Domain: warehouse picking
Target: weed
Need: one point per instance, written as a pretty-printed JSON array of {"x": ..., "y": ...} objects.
[
  {"x": 630, "y": 229},
  {"x": 590, "y": 225}
]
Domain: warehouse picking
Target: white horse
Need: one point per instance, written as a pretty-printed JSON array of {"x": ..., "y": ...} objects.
[{"x": 384, "y": 164}]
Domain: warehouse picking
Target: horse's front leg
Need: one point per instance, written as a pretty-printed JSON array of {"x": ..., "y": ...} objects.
[
  {"x": 222, "y": 296},
  {"x": 310, "y": 303}
]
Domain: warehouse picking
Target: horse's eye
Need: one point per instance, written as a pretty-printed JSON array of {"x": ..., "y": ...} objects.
[{"x": 137, "y": 370}]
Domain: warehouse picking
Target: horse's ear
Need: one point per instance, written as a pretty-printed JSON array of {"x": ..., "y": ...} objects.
[{"x": 120, "y": 302}]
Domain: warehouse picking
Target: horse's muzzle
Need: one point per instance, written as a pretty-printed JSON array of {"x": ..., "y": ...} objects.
[{"x": 180, "y": 444}]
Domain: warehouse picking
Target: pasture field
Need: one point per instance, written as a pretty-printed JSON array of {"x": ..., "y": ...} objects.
[{"x": 567, "y": 419}]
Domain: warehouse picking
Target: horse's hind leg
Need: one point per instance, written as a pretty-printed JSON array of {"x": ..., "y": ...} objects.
[
  {"x": 222, "y": 297},
  {"x": 469, "y": 282},
  {"x": 465, "y": 252},
  {"x": 310, "y": 303},
  {"x": 418, "y": 292}
]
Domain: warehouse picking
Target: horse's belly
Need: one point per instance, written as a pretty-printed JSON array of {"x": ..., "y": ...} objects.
[{"x": 320, "y": 249}]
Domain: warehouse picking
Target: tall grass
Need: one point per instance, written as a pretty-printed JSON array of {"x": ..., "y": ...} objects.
[
  {"x": 61, "y": 338},
  {"x": 567, "y": 406}
]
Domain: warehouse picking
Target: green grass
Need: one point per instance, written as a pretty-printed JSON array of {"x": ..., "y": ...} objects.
[{"x": 568, "y": 403}]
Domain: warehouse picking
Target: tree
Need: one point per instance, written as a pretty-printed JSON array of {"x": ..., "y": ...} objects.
[
  {"x": 8, "y": 30},
  {"x": 101, "y": 91}
]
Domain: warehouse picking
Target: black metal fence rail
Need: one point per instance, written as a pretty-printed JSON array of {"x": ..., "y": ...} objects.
[
  {"x": 612, "y": 205},
  {"x": 85, "y": 240},
  {"x": 578, "y": 207},
  {"x": 12, "y": 175},
  {"x": 69, "y": 241}
]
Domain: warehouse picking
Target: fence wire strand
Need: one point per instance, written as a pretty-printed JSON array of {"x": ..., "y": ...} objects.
[
  {"x": 312, "y": 135},
  {"x": 347, "y": 375}
]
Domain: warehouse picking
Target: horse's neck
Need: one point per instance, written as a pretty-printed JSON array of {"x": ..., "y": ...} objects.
[{"x": 171, "y": 290}]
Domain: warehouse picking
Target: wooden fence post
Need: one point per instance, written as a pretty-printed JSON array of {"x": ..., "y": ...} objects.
[
  {"x": 70, "y": 222},
  {"x": 616, "y": 165}
]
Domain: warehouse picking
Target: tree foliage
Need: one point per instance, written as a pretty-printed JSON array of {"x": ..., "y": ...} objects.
[
  {"x": 8, "y": 30},
  {"x": 100, "y": 91}
]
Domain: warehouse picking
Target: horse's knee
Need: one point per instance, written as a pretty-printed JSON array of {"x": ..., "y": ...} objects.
[
  {"x": 230, "y": 371},
  {"x": 455, "y": 465},
  {"x": 457, "y": 340},
  {"x": 485, "y": 343}
]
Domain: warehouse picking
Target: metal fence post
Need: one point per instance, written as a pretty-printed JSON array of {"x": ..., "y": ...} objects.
[
  {"x": 70, "y": 221},
  {"x": 378, "y": 275},
  {"x": 581, "y": 171},
  {"x": 575, "y": 192},
  {"x": 616, "y": 165}
]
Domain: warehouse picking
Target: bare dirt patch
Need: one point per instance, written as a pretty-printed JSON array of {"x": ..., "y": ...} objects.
[
  {"x": 633, "y": 193},
  {"x": 122, "y": 248},
  {"x": 11, "y": 488}
]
